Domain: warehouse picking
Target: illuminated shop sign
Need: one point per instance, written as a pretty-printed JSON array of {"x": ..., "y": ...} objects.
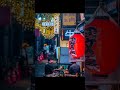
[
  {"x": 47, "y": 23},
  {"x": 67, "y": 33}
]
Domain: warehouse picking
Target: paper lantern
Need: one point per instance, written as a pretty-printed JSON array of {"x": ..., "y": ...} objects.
[
  {"x": 77, "y": 45},
  {"x": 103, "y": 36}
]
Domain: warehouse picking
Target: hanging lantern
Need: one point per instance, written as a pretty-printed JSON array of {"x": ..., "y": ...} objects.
[
  {"x": 103, "y": 39},
  {"x": 77, "y": 45}
]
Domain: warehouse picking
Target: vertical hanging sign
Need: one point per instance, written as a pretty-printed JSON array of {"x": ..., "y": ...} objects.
[{"x": 56, "y": 24}]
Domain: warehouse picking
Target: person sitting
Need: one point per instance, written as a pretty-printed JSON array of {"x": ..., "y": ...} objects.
[
  {"x": 49, "y": 67},
  {"x": 74, "y": 68}
]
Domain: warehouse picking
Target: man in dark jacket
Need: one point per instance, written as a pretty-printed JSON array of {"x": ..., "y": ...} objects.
[
  {"x": 49, "y": 67},
  {"x": 74, "y": 68}
]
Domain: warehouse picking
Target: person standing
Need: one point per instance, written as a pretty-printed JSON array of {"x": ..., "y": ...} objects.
[{"x": 45, "y": 51}]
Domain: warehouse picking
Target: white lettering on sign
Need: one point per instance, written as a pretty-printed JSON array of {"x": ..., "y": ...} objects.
[
  {"x": 69, "y": 33},
  {"x": 47, "y": 23}
]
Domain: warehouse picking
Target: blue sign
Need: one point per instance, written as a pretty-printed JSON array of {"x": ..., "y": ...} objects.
[{"x": 67, "y": 33}]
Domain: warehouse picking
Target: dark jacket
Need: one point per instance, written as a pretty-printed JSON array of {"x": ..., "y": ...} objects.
[
  {"x": 74, "y": 68},
  {"x": 49, "y": 68}
]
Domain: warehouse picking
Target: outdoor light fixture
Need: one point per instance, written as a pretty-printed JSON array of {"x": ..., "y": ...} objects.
[{"x": 39, "y": 18}]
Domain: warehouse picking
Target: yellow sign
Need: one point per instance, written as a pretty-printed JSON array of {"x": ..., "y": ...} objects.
[
  {"x": 69, "y": 19},
  {"x": 56, "y": 24},
  {"x": 48, "y": 27},
  {"x": 47, "y": 32}
]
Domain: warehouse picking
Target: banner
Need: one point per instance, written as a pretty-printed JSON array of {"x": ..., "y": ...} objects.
[
  {"x": 56, "y": 24},
  {"x": 69, "y": 19}
]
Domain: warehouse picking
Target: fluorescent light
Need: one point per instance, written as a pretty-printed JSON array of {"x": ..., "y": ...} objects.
[{"x": 39, "y": 18}]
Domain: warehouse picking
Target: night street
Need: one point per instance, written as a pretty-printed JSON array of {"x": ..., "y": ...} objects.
[{"x": 82, "y": 45}]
